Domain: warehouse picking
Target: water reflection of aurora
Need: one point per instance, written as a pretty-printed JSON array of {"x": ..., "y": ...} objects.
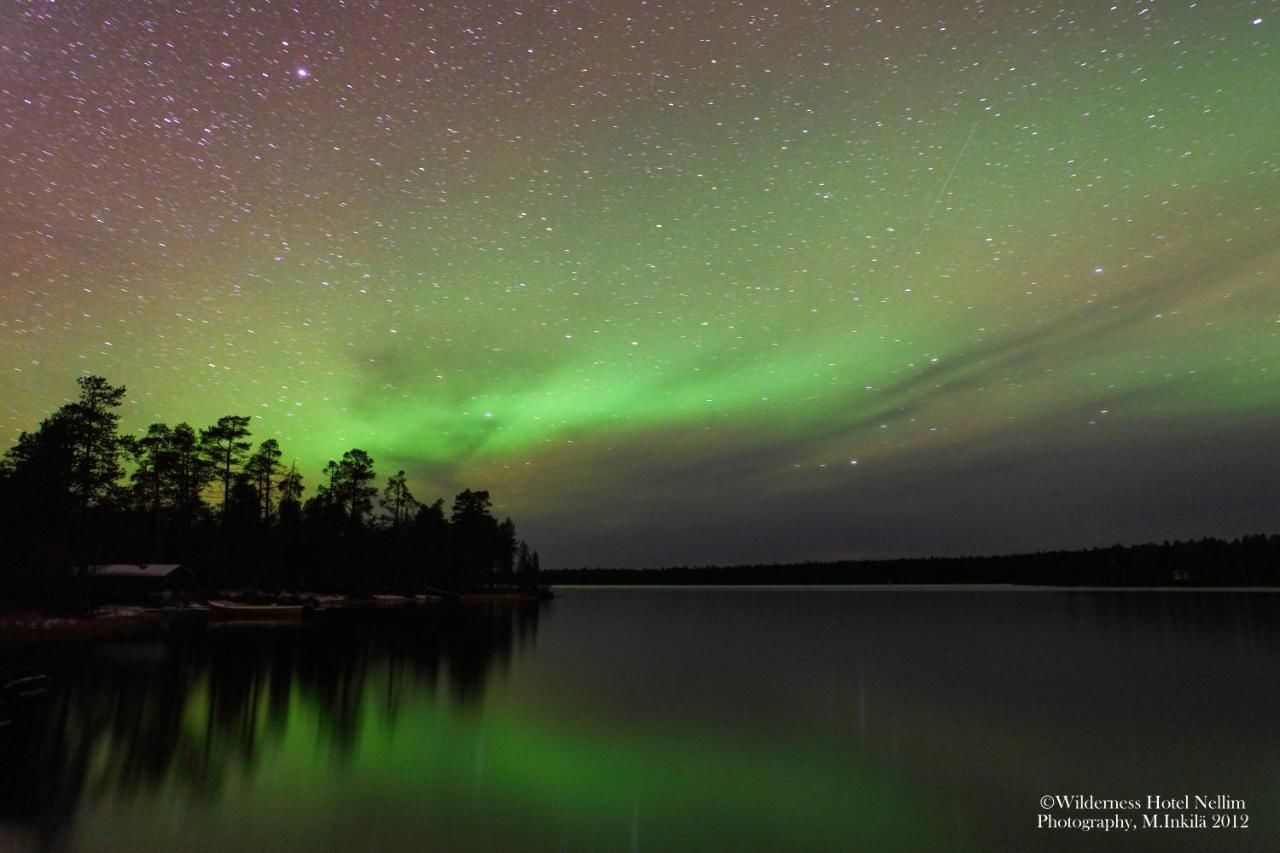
[
  {"x": 431, "y": 775},
  {"x": 659, "y": 719},
  {"x": 246, "y": 743}
]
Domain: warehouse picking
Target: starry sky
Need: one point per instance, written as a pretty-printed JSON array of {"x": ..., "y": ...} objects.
[{"x": 725, "y": 281}]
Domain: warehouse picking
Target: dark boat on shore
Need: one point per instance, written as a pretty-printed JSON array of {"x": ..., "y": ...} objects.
[
  {"x": 372, "y": 606},
  {"x": 232, "y": 611}
]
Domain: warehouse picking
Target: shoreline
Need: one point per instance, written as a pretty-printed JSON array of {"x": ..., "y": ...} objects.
[
  {"x": 29, "y": 627},
  {"x": 917, "y": 587}
]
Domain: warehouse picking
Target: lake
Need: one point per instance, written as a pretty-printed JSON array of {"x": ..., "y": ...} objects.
[{"x": 668, "y": 720}]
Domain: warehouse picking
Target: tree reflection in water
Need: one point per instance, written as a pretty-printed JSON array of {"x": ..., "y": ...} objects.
[{"x": 204, "y": 703}]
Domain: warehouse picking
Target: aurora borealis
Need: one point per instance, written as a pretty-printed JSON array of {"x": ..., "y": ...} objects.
[{"x": 677, "y": 282}]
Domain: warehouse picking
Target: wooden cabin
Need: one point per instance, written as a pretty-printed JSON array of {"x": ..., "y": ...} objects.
[{"x": 139, "y": 581}]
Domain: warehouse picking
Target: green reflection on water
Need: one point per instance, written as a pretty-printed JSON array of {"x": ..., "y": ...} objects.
[
  {"x": 635, "y": 725},
  {"x": 420, "y": 770}
]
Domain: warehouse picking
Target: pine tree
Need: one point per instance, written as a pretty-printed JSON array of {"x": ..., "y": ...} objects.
[
  {"x": 95, "y": 446},
  {"x": 397, "y": 501},
  {"x": 263, "y": 467},
  {"x": 225, "y": 446}
]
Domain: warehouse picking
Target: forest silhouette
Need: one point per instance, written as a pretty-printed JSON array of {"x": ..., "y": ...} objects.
[{"x": 75, "y": 493}]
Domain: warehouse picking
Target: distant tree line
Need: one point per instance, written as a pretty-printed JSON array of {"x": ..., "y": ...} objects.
[
  {"x": 75, "y": 492},
  {"x": 1247, "y": 561}
]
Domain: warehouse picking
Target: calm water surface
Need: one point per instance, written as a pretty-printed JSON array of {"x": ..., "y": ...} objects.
[{"x": 660, "y": 719}]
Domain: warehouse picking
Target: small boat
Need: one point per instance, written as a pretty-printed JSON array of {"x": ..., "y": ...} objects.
[
  {"x": 358, "y": 608},
  {"x": 232, "y": 611}
]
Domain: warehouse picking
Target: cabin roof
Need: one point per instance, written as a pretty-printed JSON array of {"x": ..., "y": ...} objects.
[{"x": 135, "y": 570}]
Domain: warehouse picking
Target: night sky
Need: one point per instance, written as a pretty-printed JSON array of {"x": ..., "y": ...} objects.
[{"x": 678, "y": 282}]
